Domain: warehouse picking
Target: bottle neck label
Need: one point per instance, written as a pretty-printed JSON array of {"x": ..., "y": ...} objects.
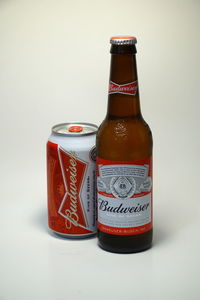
[
  {"x": 126, "y": 89},
  {"x": 124, "y": 193}
]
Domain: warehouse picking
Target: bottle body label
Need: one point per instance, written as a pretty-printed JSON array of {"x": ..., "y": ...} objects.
[{"x": 124, "y": 192}]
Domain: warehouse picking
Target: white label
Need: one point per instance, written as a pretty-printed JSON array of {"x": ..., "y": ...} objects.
[{"x": 124, "y": 196}]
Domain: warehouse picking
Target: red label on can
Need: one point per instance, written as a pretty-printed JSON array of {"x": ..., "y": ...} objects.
[
  {"x": 126, "y": 89},
  {"x": 124, "y": 193},
  {"x": 65, "y": 174}
]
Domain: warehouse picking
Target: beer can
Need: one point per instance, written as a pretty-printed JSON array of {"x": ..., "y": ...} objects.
[{"x": 71, "y": 180}]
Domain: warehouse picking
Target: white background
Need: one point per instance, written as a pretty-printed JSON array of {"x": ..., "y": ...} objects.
[{"x": 54, "y": 67}]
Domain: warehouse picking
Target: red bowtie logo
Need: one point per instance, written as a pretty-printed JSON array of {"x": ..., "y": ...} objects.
[{"x": 127, "y": 89}]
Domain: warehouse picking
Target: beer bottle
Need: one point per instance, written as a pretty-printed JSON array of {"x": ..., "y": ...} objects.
[{"x": 124, "y": 159}]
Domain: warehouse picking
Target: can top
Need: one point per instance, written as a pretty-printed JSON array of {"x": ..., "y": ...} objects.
[
  {"x": 74, "y": 129},
  {"x": 123, "y": 40}
]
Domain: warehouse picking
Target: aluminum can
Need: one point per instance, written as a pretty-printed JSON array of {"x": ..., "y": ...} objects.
[{"x": 71, "y": 180}]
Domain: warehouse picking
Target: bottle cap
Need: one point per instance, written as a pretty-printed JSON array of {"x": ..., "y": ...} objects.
[{"x": 123, "y": 40}]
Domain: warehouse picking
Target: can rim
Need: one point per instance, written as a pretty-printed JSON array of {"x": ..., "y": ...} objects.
[{"x": 74, "y": 134}]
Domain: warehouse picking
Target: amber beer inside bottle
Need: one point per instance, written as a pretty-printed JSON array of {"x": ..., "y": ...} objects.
[{"x": 124, "y": 136}]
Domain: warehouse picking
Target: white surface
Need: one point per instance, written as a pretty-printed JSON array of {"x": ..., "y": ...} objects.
[{"x": 54, "y": 67}]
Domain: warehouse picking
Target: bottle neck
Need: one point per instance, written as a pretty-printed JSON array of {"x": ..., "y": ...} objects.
[{"x": 123, "y": 98}]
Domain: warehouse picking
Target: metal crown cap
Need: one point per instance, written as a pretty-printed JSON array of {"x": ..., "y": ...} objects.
[{"x": 123, "y": 40}]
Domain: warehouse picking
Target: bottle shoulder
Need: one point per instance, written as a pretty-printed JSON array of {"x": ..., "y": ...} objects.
[
  {"x": 129, "y": 138},
  {"x": 121, "y": 127}
]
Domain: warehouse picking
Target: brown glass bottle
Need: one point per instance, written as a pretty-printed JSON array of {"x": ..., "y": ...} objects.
[{"x": 124, "y": 140}]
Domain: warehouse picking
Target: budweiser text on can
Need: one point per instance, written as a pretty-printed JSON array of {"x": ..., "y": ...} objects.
[{"x": 71, "y": 179}]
